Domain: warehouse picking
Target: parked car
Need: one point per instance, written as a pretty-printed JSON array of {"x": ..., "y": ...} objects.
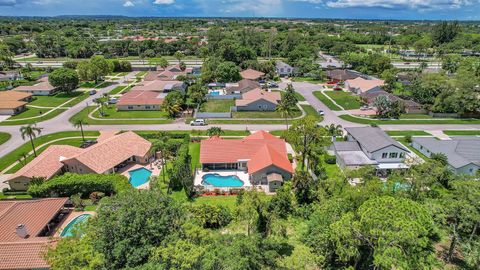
[
  {"x": 93, "y": 92},
  {"x": 272, "y": 84},
  {"x": 112, "y": 101},
  {"x": 364, "y": 108},
  {"x": 321, "y": 112},
  {"x": 198, "y": 122}
]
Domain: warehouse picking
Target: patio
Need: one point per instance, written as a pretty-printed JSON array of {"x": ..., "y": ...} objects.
[{"x": 133, "y": 166}]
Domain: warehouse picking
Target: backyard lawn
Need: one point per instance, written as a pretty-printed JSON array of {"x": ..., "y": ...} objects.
[
  {"x": 194, "y": 150},
  {"x": 217, "y": 105},
  {"x": 320, "y": 96},
  {"x": 345, "y": 99},
  {"x": 4, "y": 137},
  {"x": 462, "y": 132},
  {"x": 31, "y": 112},
  {"x": 112, "y": 113},
  {"x": 11, "y": 157}
]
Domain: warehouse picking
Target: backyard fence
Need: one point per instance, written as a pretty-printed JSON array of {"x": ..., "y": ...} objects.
[{"x": 224, "y": 97}]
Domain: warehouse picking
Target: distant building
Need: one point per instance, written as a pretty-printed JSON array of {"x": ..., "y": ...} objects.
[
  {"x": 463, "y": 153},
  {"x": 258, "y": 100},
  {"x": 169, "y": 73},
  {"x": 13, "y": 102},
  {"x": 370, "y": 146},
  {"x": 42, "y": 88},
  {"x": 283, "y": 69},
  {"x": 10, "y": 76}
]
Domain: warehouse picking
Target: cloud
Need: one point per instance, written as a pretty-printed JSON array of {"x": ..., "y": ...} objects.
[
  {"x": 309, "y": 1},
  {"x": 412, "y": 4},
  {"x": 8, "y": 2},
  {"x": 163, "y": 2},
  {"x": 128, "y": 4}
]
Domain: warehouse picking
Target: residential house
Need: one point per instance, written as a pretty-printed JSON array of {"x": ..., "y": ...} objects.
[
  {"x": 169, "y": 73},
  {"x": 258, "y": 100},
  {"x": 370, "y": 146},
  {"x": 327, "y": 61},
  {"x": 411, "y": 107},
  {"x": 360, "y": 85},
  {"x": 261, "y": 155},
  {"x": 463, "y": 153},
  {"x": 341, "y": 75},
  {"x": 12, "y": 102},
  {"x": 10, "y": 76},
  {"x": 160, "y": 86},
  {"x": 241, "y": 87},
  {"x": 102, "y": 158},
  {"x": 252, "y": 74},
  {"x": 283, "y": 69},
  {"x": 42, "y": 88},
  {"x": 27, "y": 229},
  {"x": 140, "y": 101}
]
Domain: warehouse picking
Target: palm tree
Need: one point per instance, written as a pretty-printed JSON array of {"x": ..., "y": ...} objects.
[
  {"x": 178, "y": 55},
  {"x": 285, "y": 110},
  {"x": 172, "y": 108},
  {"x": 31, "y": 132},
  {"x": 334, "y": 130},
  {"x": 215, "y": 131},
  {"x": 79, "y": 123}
]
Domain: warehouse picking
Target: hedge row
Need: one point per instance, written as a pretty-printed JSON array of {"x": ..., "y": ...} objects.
[{"x": 70, "y": 184}]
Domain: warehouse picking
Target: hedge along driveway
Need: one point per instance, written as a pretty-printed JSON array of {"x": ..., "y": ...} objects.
[{"x": 12, "y": 157}]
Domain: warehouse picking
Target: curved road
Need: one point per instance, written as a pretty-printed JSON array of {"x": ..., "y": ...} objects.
[{"x": 61, "y": 122}]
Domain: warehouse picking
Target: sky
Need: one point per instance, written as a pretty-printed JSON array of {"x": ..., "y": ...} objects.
[{"x": 346, "y": 9}]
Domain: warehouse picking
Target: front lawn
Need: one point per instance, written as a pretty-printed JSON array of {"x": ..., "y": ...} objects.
[
  {"x": 416, "y": 116},
  {"x": 345, "y": 99},
  {"x": 11, "y": 157},
  {"x": 83, "y": 114},
  {"x": 325, "y": 100},
  {"x": 112, "y": 113},
  {"x": 367, "y": 121},
  {"x": 404, "y": 133},
  {"x": 462, "y": 132},
  {"x": 91, "y": 84},
  {"x": 56, "y": 100},
  {"x": 217, "y": 105},
  {"x": 4, "y": 137},
  {"x": 104, "y": 84},
  {"x": 297, "y": 95},
  {"x": 31, "y": 112}
]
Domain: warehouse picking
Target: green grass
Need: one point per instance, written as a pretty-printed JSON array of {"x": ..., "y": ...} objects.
[
  {"x": 217, "y": 105},
  {"x": 194, "y": 150},
  {"x": 297, "y": 95},
  {"x": 404, "y": 133},
  {"x": 272, "y": 114},
  {"x": 104, "y": 84},
  {"x": 320, "y": 96},
  {"x": 312, "y": 112},
  {"x": 462, "y": 132},
  {"x": 4, "y": 137},
  {"x": 416, "y": 116},
  {"x": 345, "y": 99},
  {"x": 31, "y": 112},
  {"x": 239, "y": 133},
  {"x": 83, "y": 114},
  {"x": 56, "y": 100},
  {"x": 404, "y": 142},
  {"x": 277, "y": 132},
  {"x": 87, "y": 85},
  {"x": 410, "y": 122},
  {"x": 112, "y": 113},
  {"x": 141, "y": 73},
  {"x": 117, "y": 89},
  {"x": 11, "y": 157},
  {"x": 16, "y": 197}
]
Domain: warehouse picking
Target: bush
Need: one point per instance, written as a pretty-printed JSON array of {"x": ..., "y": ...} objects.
[
  {"x": 70, "y": 64},
  {"x": 330, "y": 159},
  {"x": 71, "y": 184},
  {"x": 210, "y": 216},
  {"x": 408, "y": 138}
]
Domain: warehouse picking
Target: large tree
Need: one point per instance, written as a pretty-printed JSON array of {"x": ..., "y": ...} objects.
[{"x": 64, "y": 79}]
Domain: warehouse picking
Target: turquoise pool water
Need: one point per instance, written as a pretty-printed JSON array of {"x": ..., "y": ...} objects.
[
  {"x": 215, "y": 93},
  {"x": 217, "y": 180},
  {"x": 139, "y": 177},
  {"x": 68, "y": 230}
]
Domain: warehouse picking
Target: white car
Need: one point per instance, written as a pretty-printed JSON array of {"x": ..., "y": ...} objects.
[
  {"x": 321, "y": 112},
  {"x": 198, "y": 122}
]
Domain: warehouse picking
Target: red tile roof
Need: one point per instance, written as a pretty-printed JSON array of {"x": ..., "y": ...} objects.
[
  {"x": 24, "y": 255},
  {"x": 157, "y": 85},
  {"x": 41, "y": 86},
  {"x": 261, "y": 149},
  {"x": 13, "y": 99},
  {"x": 251, "y": 74},
  {"x": 140, "y": 98}
]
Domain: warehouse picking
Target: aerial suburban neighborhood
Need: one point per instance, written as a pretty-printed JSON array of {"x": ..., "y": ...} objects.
[{"x": 239, "y": 139}]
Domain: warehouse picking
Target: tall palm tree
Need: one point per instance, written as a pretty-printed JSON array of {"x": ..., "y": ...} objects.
[
  {"x": 285, "y": 110},
  {"x": 79, "y": 123},
  {"x": 31, "y": 131},
  {"x": 215, "y": 131}
]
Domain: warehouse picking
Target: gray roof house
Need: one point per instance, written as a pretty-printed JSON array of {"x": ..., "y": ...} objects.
[
  {"x": 463, "y": 153},
  {"x": 370, "y": 146},
  {"x": 284, "y": 69}
]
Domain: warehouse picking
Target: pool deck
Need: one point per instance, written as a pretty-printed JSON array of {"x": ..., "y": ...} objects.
[
  {"x": 133, "y": 166},
  {"x": 68, "y": 219},
  {"x": 242, "y": 175}
]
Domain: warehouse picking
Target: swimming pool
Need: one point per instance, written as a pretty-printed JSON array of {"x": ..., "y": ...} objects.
[
  {"x": 214, "y": 93},
  {"x": 69, "y": 229},
  {"x": 217, "y": 180},
  {"x": 139, "y": 177}
]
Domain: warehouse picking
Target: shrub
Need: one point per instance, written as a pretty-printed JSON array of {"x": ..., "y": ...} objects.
[
  {"x": 330, "y": 159},
  {"x": 71, "y": 184},
  {"x": 210, "y": 216},
  {"x": 408, "y": 138}
]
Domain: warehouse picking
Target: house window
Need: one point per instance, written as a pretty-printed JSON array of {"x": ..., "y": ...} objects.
[
  {"x": 130, "y": 107},
  {"x": 393, "y": 155},
  {"x": 384, "y": 155},
  {"x": 402, "y": 155},
  {"x": 421, "y": 147},
  {"x": 471, "y": 169},
  {"x": 147, "y": 107}
]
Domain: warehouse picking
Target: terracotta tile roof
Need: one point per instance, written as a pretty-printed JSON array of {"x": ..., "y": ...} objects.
[
  {"x": 110, "y": 152},
  {"x": 261, "y": 149},
  {"x": 157, "y": 85},
  {"x": 251, "y": 74},
  {"x": 14, "y": 96},
  {"x": 258, "y": 94},
  {"x": 10, "y": 104},
  {"x": 364, "y": 85},
  {"x": 168, "y": 74},
  {"x": 24, "y": 255},
  {"x": 34, "y": 214},
  {"x": 48, "y": 163},
  {"x": 140, "y": 98},
  {"x": 41, "y": 86}
]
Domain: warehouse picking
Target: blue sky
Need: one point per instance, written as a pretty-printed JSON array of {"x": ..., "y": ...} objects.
[{"x": 354, "y": 9}]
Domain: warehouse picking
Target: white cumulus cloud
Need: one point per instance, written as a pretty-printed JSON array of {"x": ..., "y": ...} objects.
[
  {"x": 128, "y": 4},
  {"x": 163, "y": 2},
  {"x": 421, "y": 4}
]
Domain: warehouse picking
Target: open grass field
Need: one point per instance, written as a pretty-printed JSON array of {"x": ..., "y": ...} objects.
[
  {"x": 217, "y": 106},
  {"x": 83, "y": 114},
  {"x": 4, "y": 137},
  {"x": 410, "y": 122},
  {"x": 112, "y": 113},
  {"x": 345, "y": 99},
  {"x": 462, "y": 132},
  {"x": 11, "y": 157},
  {"x": 324, "y": 99}
]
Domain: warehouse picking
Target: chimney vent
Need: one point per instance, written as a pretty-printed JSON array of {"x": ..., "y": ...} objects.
[{"x": 21, "y": 230}]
